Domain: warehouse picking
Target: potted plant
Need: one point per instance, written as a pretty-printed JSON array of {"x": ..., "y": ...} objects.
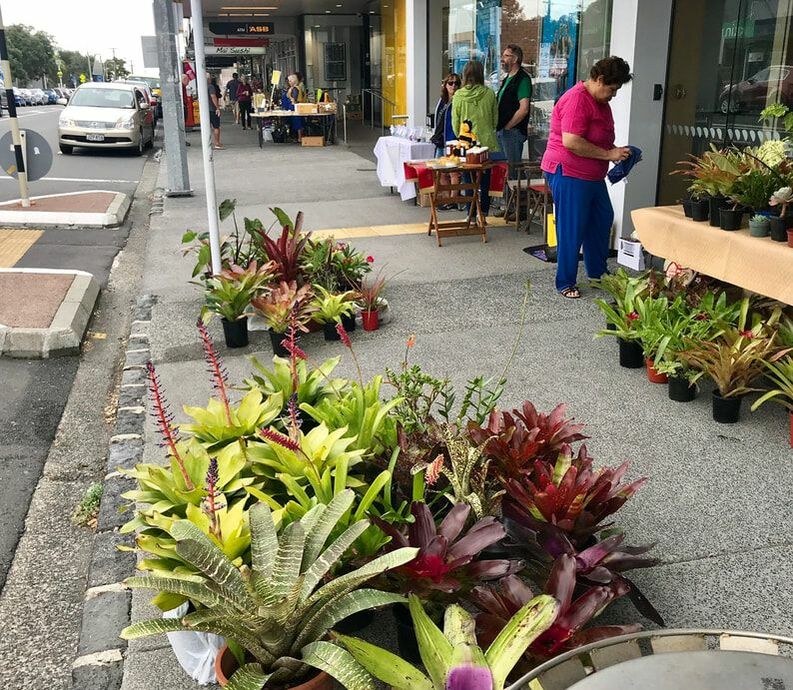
[
  {"x": 713, "y": 175},
  {"x": 652, "y": 334},
  {"x": 759, "y": 225},
  {"x": 700, "y": 207},
  {"x": 371, "y": 298},
  {"x": 779, "y": 224},
  {"x": 781, "y": 375},
  {"x": 452, "y": 657},
  {"x": 750, "y": 191},
  {"x": 230, "y": 294},
  {"x": 284, "y": 304},
  {"x": 274, "y": 613},
  {"x": 329, "y": 309},
  {"x": 621, "y": 317}
]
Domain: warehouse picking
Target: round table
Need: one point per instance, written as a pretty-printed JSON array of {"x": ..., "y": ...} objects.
[{"x": 702, "y": 670}]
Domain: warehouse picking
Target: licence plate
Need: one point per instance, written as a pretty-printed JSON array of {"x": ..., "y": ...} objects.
[{"x": 95, "y": 137}]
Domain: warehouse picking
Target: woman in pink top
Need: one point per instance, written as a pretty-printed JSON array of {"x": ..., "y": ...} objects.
[{"x": 580, "y": 146}]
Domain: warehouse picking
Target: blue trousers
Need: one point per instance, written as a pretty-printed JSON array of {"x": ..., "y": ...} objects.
[{"x": 584, "y": 217}]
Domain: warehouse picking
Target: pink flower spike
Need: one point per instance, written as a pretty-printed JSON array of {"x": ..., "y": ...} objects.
[
  {"x": 345, "y": 339},
  {"x": 370, "y": 259},
  {"x": 280, "y": 439},
  {"x": 294, "y": 349},
  {"x": 633, "y": 316},
  {"x": 434, "y": 470}
]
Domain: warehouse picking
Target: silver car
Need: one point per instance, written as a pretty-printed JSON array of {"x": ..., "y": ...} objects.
[{"x": 106, "y": 115}]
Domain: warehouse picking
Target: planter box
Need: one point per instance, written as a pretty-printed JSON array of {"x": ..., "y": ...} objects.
[{"x": 631, "y": 255}]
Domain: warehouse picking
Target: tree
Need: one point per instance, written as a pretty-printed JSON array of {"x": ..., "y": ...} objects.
[
  {"x": 31, "y": 53},
  {"x": 73, "y": 63},
  {"x": 116, "y": 68}
]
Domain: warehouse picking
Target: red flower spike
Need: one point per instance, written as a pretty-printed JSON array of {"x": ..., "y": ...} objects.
[
  {"x": 370, "y": 259},
  {"x": 293, "y": 349},
  {"x": 633, "y": 316},
  {"x": 411, "y": 341},
  {"x": 169, "y": 432},
  {"x": 280, "y": 439},
  {"x": 216, "y": 368},
  {"x": 345, "y": 339}
]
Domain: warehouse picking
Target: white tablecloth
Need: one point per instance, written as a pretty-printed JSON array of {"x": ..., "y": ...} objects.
[{"x": 391, "y": 153}]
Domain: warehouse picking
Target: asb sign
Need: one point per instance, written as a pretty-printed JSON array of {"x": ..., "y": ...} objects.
[{"x": 241, "y": 28}]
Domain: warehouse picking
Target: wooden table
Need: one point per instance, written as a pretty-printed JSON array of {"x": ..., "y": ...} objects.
[
  {"x": 327, "y": 123},
  {"x": 474, "y": 222},
  {"x": 757, "y": 264}
]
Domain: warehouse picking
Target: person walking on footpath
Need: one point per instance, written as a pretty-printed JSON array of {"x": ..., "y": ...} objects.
[
  {"x": 231, "y": 92},
  {"x": 576, "y": 160},
  {"x": 214, "y": 111},
  {"x": 244, "y": 102},
  {"x": 477, "y": 103},
  {"x": 514, "y": 103}
]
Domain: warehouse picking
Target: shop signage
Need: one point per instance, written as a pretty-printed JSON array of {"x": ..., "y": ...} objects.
[
  {"x": 241, "y": 28},
  {"x": 250, "y": 42},
  {"x": 234, "y": 50},
  {"x": 736, "y": 29}
]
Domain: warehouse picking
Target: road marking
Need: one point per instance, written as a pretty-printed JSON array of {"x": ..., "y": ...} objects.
[
  {"x": 74, "y": 179},
  {"x": 14, "y": 244}
]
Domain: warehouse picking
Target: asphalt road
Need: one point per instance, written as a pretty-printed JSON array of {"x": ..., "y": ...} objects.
[{"x": 83, "y": 170}]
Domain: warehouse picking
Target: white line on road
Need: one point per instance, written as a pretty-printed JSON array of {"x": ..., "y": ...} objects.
[{"x": 73, "y": 179}]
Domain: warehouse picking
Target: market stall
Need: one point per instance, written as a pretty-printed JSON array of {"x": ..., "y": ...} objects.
[
  {"x": 757, "y": 264},
  {"x": 392, "y": 153}
]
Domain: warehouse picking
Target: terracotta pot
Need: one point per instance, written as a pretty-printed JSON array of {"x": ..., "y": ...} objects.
[
  {"x": 226, "y": 664},
  {"x": 371, "y": 320},
  {"x": 790, "y": 238},
  {"x": 653, "y": 375}
]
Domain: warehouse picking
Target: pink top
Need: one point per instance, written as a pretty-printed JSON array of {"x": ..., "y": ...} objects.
[{"x": 578, "y": 113}]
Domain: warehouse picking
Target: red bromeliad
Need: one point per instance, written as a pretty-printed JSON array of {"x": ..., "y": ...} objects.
[
  {"x": 164, "y": 417},
  {"x": 446, "y": 560},
  {"x": 280, "y": 439},
  {"x": 216, "y": 368}
]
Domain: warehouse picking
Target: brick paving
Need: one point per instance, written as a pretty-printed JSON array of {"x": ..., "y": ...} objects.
[
  {"x": 88, "y": 202},
  {"x": 30, "y": 300}
]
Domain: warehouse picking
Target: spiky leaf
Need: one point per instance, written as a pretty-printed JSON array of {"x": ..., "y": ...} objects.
[
  {"x": 386, "y": 666},
  {"x": 339, "y": 505},
  {"x": 338, "y": 663},
  {"x": 248, "y": 677},
  {"x": 435, "y": 649}
]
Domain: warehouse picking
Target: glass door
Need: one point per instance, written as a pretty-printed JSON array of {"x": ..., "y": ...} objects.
[{"x": 728, "y": 59}]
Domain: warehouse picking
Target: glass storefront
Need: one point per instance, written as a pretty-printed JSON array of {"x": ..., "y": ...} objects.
[{"x": 728, "y": 60}]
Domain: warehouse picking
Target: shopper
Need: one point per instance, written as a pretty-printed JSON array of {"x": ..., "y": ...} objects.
[
  {"x": 231, "y": 93},
  {"x": 443, "y": 126},
  {"x": 296, "y": 94},
  {"x": 576, "y": 160},
  {"x": 477, "y": 103},
  {"x": 514, "y": 99},
  {"x": 214, "y": 110},
  {"x": 245, "y": 101}
]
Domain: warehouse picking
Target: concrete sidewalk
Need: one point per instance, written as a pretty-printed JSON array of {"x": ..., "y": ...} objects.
[{"x": 718, "y": 500}]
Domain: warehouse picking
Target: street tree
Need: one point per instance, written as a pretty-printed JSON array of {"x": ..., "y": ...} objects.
[
  {"x": 116, "y": 68},
  {"x": 31, "y": 52}
]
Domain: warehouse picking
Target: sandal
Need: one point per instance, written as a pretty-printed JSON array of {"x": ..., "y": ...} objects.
[{"x": 571, "y": 292}]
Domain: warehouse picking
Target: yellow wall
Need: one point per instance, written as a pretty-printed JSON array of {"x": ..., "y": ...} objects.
[{"x": 394, "y": 27}]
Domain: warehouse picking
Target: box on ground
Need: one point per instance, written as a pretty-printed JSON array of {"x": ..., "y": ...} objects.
[
  {"x": 630, "y": 254},
  {"x": 313, "y": 141}
]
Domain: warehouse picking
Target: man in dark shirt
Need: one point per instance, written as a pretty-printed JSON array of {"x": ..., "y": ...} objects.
[
  {"x": 231, "y": 92},
  {"x": 514, "y": 98}
]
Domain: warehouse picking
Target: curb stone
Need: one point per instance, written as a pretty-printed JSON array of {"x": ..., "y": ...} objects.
[{"x": 107, "y": 605}]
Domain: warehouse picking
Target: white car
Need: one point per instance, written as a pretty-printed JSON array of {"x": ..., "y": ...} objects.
[{"x": 106, "y": 115}]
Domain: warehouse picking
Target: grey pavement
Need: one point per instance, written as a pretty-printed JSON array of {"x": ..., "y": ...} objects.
[
  {"x": 717, "y": 502},
  {"x": 85, "y": 169}
]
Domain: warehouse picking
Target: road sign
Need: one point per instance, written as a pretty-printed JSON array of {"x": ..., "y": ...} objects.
[
  {"x": 60, "y": 74},
  {"x": 38, "y": 156},
  {"x": 83, "y": 79}
]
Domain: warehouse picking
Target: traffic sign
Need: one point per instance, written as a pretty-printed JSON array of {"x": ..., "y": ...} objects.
[
  {"x": 83, "y": 78},
  {"x": 38, "y": 159},
  {"x": 60, "y": 74}
]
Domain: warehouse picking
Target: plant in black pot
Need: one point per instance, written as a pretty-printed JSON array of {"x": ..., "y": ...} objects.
[
  {"x": 330, "y": 309},
  {"x": 621, "y": 317},
  {"x": 713, "y": 174},
  {"x": 284, "y": 303},
  {"x": 230, "y": 294},
  {"x": 780, "y": 375},
  {"x": 779, "y": 224},
  {"x": 735, "y": 360},
  {"x": 750, "y": 190}
]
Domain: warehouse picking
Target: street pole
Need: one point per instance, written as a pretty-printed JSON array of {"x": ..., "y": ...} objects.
[
  {"x": 197, "y": 12},
  {"x": 16, "y": 137}
]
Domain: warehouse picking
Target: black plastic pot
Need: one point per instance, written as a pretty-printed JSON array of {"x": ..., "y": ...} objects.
[
  {"x": 726, "y": 410},
  {"x": 687, "y": 208},
  {"x": 348, "y": 322},
  {"x": 716, "y": 204},
  {"x": 778, "y": 228},
  {"x": 700, "y": 209},
  {"x": 355, "y": 623},
  {"x": 276, "y": 339},
  {"x": 236, "y": 332},
  {"x": 330, "y": 332},
  {"x": 406, "y": 636},
  {"x": 730, "y": 219},
  {"x": 631, "y": 355},
  {"x": 680, "y": 390}
]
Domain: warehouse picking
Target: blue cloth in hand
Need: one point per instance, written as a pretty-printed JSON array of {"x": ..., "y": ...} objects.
[{"x": 620, "y": 170}]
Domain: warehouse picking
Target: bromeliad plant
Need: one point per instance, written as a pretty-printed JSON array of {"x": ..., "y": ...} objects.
[
  {"x": 278, "y": 609},
  {"x": 287, "y": 250},
  {"x": 230, "y": 293},
  {"x": 284, "y": 303},
  {"x": 453, "y": 658},
  {"x": 330, "y": 308}
]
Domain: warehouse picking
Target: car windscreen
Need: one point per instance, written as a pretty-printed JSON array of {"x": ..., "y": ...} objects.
[{"x": 104, "y": 98}]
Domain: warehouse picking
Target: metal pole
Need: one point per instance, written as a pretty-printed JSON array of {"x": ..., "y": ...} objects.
[
  {"x": 197, "y": 11},
  {"x": 5, "y": 65}
]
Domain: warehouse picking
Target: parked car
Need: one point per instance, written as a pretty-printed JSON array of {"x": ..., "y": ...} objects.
[
  {"x": 39, "y": 97},
  {"x": 143, "y": 86},
  {"x": 27, "y": 96},
  {"x": 107, "y": 115},
  {"x": 52, "y": 97},
  {"x": 62, "y": 96},
  {"x": 19, "y": 98},
  {"x": 154, "y": 86},
  {"x": 752, "y": 94}
]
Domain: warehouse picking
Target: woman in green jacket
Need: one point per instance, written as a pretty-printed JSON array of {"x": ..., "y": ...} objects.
[{"x": 475, "y": 102}]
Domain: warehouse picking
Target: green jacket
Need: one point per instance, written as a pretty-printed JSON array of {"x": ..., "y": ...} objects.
[{"x": 479, "y": 105}]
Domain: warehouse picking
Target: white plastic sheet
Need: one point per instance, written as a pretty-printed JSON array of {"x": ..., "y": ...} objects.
[{"x": 195, "y": 651}]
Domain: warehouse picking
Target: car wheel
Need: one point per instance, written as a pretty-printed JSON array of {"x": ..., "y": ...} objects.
[{"x": 66, "y": 149}]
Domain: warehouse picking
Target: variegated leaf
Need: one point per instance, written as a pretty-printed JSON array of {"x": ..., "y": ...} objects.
[
  {"x": 196, "y": 591},
  {"x": 317, "y": 537},
  {"x": 331, "y": 556},
  {"x": 338, "y": 663},
  {"x": 288, "y": 560},
  {"x": 248, "y": 677},
  {"x": 264, "y": 540},
  {"x": 386, "y": 666},
  {"x": 155, "y": 626}
]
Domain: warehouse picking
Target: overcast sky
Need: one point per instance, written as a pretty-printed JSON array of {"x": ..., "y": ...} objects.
[{"x": 90, "y": 26}]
